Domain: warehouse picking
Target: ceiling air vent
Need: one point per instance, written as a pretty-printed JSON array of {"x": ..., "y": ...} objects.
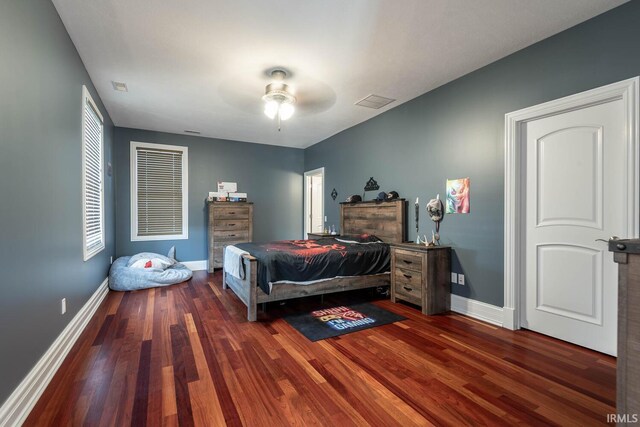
[
  {"x": 192, "y": 132},
  {"x": 374, "y": 101},
  {"x": 119, "y": 86}
]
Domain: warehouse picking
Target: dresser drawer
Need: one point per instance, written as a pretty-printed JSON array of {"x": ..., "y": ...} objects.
[
  {"x": 407, "y": 260},
  {"x": 231, "y": 212},
  {"x": 231, "y": 224},
  {"x": 409, "y": 277},
  {"x": 230, "y": 236},
  {"x": 409, "y": 292}
]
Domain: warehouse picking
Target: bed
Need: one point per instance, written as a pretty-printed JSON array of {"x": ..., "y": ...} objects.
[{"x": 385, "y": 220}]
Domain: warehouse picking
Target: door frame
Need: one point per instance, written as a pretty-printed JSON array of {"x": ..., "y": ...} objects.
[
  {"x": 515, "y": 178},
  {"x": 318, "y": 171}
]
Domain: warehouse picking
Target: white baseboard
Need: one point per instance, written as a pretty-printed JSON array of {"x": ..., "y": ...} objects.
[
  {"x": 476, "y": 309},
  {"x": 509, "y": 318},
  {"x": 196, "y": 265},
  {"x": 17, "y": 407}
]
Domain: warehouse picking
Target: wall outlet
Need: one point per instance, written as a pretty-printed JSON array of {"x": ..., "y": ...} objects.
[
  {"x": 111, "y": 259},
  {"x": 63, "y": 306},
  {"x": 325, "y": 218},
  {"x": 454, "y": 277},
  {"x": 461, "y": 279}
]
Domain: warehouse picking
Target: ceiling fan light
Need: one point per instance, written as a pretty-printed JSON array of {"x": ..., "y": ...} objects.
[
  {"x": 286, "y": 111},
  {"x": 278, "y": 100},
  {"x": 271, "y": 109}
]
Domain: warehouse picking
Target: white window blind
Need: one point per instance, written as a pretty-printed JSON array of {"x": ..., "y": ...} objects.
[
  {"x": 158, "y": 192},
  {"x": 92, "y": 177}
]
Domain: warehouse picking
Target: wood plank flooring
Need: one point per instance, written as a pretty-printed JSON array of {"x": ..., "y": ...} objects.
[{"x": 185, "y": 355}]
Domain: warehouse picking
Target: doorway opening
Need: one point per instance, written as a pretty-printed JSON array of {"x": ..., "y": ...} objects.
[
  {"x": 314, "y": 201},
  {"x": 559, "y": 278}
]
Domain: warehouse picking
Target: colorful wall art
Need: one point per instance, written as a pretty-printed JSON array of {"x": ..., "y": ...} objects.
[{"x": 458, "y": 195}]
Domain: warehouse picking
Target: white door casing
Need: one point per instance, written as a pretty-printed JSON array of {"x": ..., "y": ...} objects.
[
  {"x": 313, "y": 194},
  {"x": 516, "y": 123},
  {"x": 574, "y": 187},
  {"x": 317, "y": 203}
]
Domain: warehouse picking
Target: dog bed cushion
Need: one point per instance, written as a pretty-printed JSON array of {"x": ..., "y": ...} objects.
[
  {"x": 123, "y": 277},
  {"x": 146, "y": 256},
  {"x": 150, "y": 263}
]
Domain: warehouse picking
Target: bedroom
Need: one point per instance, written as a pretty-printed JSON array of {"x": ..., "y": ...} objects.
[{"x": 448, "y": 121}]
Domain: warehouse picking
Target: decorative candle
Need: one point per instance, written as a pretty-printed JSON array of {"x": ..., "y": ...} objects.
[{"x": 417, "y": 215}]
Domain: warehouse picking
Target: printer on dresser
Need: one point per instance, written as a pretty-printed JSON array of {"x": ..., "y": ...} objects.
[{"x": 229, "y": 223}]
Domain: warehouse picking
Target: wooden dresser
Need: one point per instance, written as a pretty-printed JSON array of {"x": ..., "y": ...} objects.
[
  {"x": 229, "y": 223},
  {"x": 627, "y": 254},
  {"x": 421, "y": 275}
]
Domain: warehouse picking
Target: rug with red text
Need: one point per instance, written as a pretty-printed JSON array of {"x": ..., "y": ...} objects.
[{"x": 334, "y": 321}]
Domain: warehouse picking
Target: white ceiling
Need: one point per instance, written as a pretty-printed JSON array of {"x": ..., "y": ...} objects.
[{"x": 202, "y": 64}]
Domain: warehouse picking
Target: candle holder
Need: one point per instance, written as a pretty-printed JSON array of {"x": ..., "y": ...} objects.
[{"x": 417, "y": 221}]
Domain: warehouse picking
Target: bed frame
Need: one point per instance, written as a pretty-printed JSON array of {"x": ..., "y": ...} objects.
[{"x": 385, "y": 219}]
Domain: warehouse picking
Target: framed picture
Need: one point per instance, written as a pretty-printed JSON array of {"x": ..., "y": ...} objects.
[{"x": 458, "y": 195}]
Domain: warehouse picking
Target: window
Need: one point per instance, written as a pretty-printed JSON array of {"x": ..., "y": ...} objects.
[
  {"x": 159, "y": 190},
  {"x": 92, "y": 177}
]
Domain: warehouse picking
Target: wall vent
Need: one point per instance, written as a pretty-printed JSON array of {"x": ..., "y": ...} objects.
[
  {"x": 374, "y": 101},
  {"x": 119, "y": 86},
  {"x": 192, "y": 132}
]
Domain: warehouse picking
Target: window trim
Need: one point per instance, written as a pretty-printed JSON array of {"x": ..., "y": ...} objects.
[
  {"x": 134, "y": 191},
  {"x": 86, "y": 253}
]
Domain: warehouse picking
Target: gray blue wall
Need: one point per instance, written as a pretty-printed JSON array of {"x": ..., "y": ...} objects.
[
  {"x": 457, "y": 131},
  {"x": 272, "y": 177},
  {"x": 41, "y": 258},
  {"x": 454, "y": 131}
]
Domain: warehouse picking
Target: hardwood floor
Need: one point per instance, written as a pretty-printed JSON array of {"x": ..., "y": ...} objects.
[{"x": 185, "y": 355}]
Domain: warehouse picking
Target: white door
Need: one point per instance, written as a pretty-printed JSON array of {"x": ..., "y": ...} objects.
[
  {"x": 314, "y": 201},
  {"x": 317, "y": 208},
  {"x": 576, "y": 184}
]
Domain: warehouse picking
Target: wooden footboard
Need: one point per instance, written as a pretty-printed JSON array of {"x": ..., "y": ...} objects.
[
  {"x": 251, "y": 295},
  {"x": 246, "y": 289}
]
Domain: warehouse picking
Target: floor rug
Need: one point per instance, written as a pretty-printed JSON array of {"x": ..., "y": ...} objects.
[{"x": 331, "y": 322}]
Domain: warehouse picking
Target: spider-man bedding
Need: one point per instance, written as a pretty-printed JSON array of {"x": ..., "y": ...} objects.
[{"x": 313, "y": 260}]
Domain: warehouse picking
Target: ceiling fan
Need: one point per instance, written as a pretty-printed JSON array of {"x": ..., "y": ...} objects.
[
  {"x": 279, "y": 101},
  {"x": 284, "y": 92}
]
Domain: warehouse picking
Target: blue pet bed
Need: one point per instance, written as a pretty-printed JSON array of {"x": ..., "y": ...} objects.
[{"x": 122, "y": 277}]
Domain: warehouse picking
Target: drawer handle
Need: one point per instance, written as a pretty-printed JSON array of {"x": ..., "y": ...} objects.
[
  {"x": 407, "y": 262},
  {"x": 408, "y": 276},
  {"x": 406, "y": 288},
  {"x": 231, "y": 225},
  {"x": 232, "y": 235}
]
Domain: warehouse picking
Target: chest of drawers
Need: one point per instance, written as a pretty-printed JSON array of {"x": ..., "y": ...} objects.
[
  {"x": 229, "y": 223},
  {"x": 420, "y": 275}
]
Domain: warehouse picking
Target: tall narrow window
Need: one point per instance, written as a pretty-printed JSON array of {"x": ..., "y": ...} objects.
[
  {"x": 159, "y": 192},
  {"x": 92, "y": 177}
]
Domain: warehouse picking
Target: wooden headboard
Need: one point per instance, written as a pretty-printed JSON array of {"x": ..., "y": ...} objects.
[{"x": 384, "y": 219}]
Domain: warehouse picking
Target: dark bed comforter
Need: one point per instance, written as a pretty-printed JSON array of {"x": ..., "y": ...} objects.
[{"x": 307, "y": 260}]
